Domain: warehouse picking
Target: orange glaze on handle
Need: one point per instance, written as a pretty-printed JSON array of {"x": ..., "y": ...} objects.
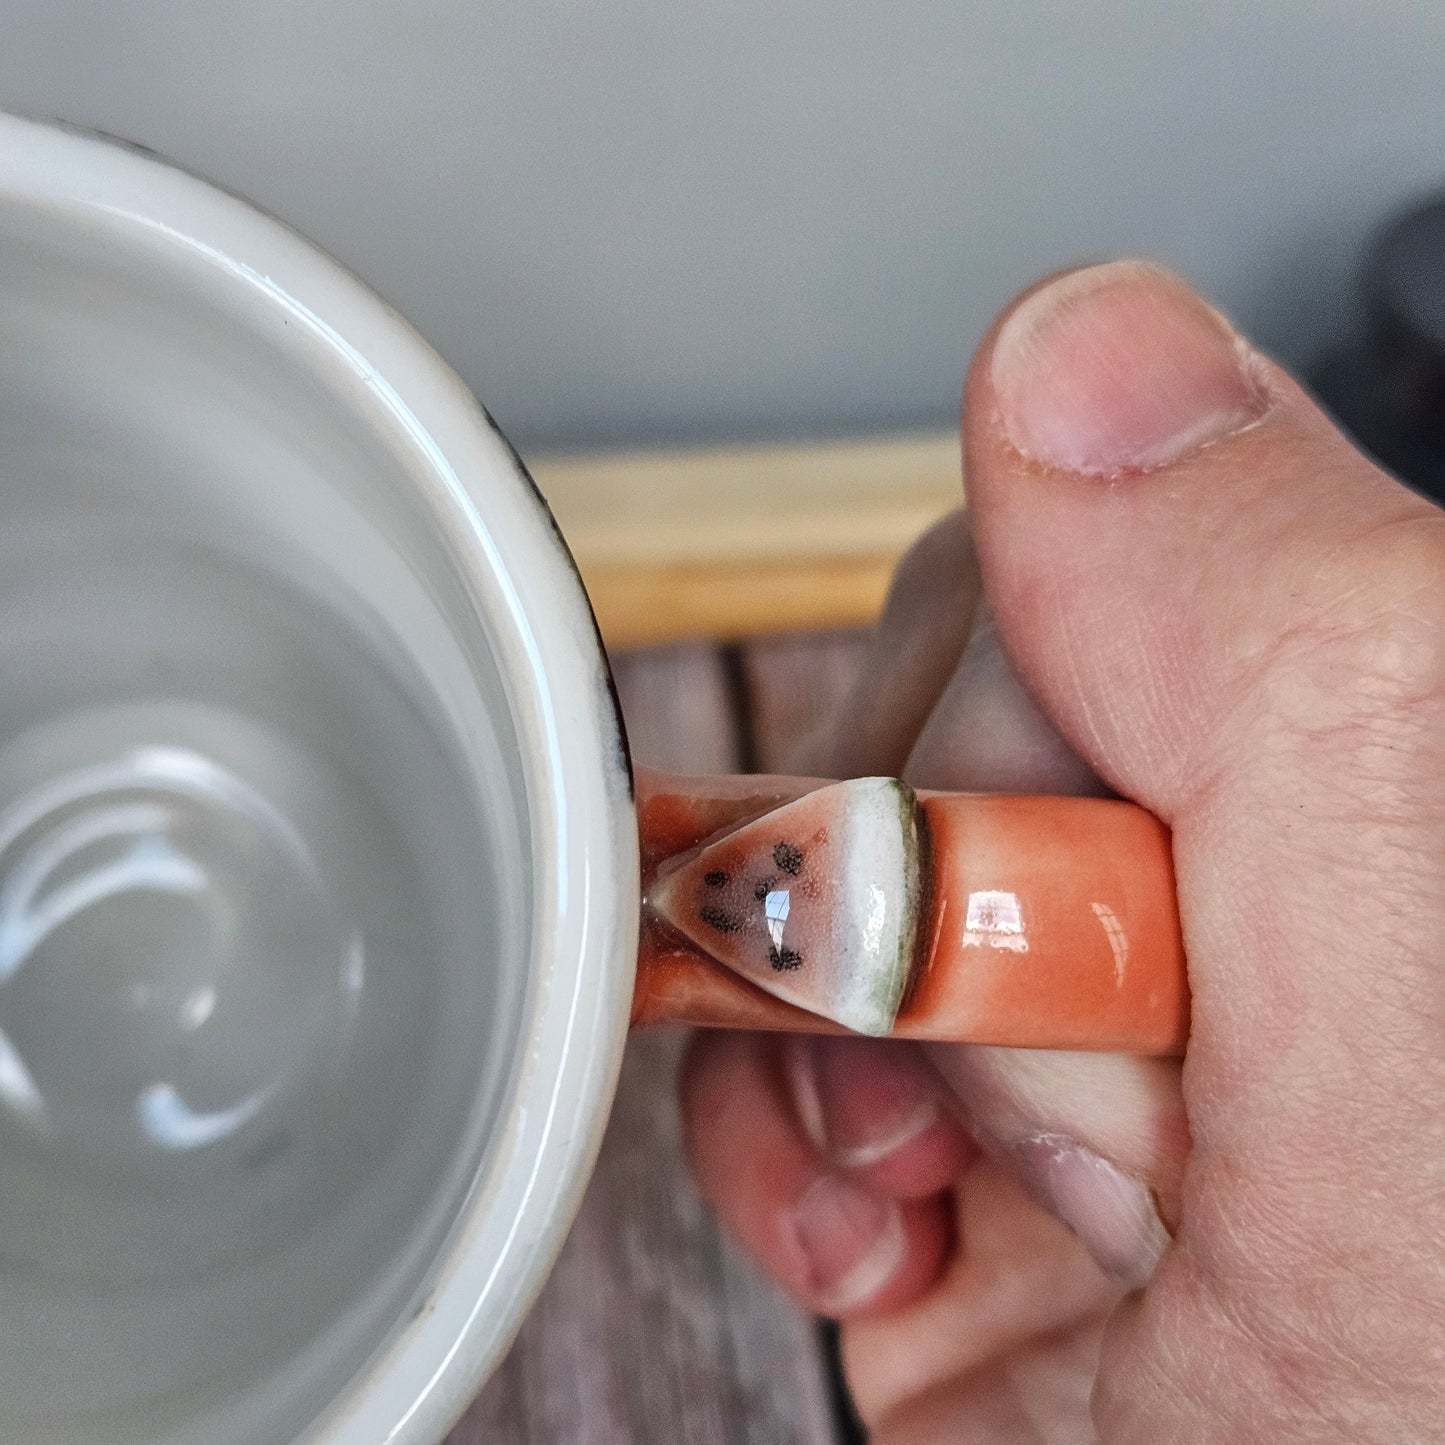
[
  {"x": 1097, "y": 962},
  {"x": 1046, "y": 922}
]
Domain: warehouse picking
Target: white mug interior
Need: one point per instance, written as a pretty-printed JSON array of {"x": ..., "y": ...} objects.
[{"x": 318, "y": 861}]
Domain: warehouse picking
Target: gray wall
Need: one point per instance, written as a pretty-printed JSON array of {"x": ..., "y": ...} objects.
[{"x": 631, "y": 220}]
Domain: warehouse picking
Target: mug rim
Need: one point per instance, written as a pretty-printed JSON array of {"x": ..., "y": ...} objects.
[{"x": 572, "y": 749}]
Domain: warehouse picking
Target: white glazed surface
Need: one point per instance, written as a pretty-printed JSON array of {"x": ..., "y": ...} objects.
[{"x": 288, "y": 402}]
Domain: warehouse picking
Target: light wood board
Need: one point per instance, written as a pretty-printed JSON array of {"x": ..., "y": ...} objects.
[{"x": 739, "y": 541}]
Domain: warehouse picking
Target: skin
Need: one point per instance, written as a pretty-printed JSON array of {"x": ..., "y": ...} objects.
[{"x": 1179, "y": 583}]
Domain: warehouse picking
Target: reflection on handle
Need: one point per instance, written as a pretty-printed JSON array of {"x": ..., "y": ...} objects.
[{"x": 791, "y": 903}]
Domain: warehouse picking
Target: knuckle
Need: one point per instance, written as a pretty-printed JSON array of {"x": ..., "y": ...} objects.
[
  {"x": 1368, "y": 648},
  {"x": 941, "y": 557},
  {"x": 1395, "y": 616}
]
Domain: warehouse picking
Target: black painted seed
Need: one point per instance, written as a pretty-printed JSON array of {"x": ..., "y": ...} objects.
[
  {"x": 789, "y": 858},
  {"x": 720, "y": 919},
  {"x": 784, "y": 960},
  {"x": 715, "y": 879}
]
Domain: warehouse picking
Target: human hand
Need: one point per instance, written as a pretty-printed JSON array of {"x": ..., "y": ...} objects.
[{"x": 1219, "y": 610}]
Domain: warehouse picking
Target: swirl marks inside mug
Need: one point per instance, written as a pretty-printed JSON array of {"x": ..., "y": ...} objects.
[
  {"x": 159, "y": 915},
  {"x": 263, "y": 928}
]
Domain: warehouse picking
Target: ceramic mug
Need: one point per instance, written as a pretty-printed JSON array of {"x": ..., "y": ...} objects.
[{"x": 327, "y": 891}]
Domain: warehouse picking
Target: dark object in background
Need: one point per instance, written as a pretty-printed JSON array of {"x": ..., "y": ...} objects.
[
  {"x": 1389, "y": 389},
  {"x": 845, "y": 1417}
]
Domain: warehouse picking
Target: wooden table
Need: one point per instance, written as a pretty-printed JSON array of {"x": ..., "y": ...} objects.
[
  {"x": 654, "y": 1329},
  {"x": 740, "y": 541}
]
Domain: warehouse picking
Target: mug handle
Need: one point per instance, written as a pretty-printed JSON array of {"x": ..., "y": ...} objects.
[{"x": 799, "y": 904}]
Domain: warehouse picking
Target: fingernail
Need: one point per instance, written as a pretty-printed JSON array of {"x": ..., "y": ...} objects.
[
  {"x": 857, "y": 1102},
  {"x": 853, "y": 1242},
  {"x": 1120, "y": 368},
  {"x": 1111, "y": 1212}
]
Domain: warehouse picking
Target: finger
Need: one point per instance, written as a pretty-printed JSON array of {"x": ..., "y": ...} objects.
[
  {"x": 1238, "y": 622},
  {"x": 911, "y": 656},
  {"x": 1016, "y": 1283},
  {"x": 986, "y": 734},
  {"x": 839, "y": 1247},
  {"x": 1099, "y": 1140},
  {"x": 936, "y": 641},
  {"x": 874, "y": 1109}
]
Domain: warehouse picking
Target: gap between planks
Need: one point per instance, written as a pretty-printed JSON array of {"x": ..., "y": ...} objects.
[{"x": 654, "y": 1328}]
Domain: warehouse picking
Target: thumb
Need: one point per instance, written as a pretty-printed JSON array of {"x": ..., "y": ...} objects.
[
  {"x": 1238, "y": 621},
  {"x": 1179, "y": 546},
  {"x": 1230, "y": 615}
]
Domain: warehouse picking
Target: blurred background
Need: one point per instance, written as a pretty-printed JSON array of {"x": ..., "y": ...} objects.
[
  {"x": 635, "y": 226},
  {"x": 627, "y": 222}
]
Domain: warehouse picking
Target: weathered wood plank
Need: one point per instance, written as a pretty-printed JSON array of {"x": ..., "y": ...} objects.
[
  {"x": 795, "y": 687},
  {"x": 653, "y": 1329},
  {"x": 680, "y": 709}
]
